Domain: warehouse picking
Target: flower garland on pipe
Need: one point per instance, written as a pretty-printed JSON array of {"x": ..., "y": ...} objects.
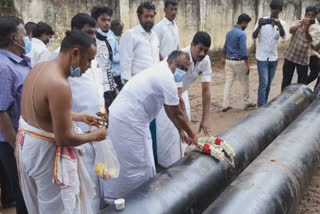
[{"x": 216, "y": 147}]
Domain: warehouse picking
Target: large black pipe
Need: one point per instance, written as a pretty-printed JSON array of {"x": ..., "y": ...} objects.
[
  {"x": 191, "y": 184},
  {"x": 276, "y": 180}
]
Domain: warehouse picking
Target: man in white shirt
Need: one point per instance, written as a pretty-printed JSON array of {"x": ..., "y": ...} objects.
[
  {"x": 104, "y": 55},
  {"x": 268, "y": 30},
  {"x": 168, "y": 34},
  {"x": 170, "y": 147},
  {"x": 167, "y": 29},
  {"x": 41, "y": 36},
  {"x": 87, "y": 97},
  {"x": 30, "y": 26},
  {"x": 139, "y": 46},
  {"x": 114, "y": 34},
  {"x": 139, "y": 49},
  {"x": 135, "y": 107},
  {"x": 85, "y": 23},
  {"x": 314, "y": 63}
]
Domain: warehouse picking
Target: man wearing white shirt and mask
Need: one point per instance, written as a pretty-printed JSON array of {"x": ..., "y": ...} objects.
[
  {"x": 167, "y": 29},
  {"x": 168, "y": 34},
  {"x": 135, "y": 107},
  {"x": 85, "y": 23},
  {"x": 170, "y": 147},
  {"x": 87, "y": 97},
  {"x": 268, "y": 31},
  {"x": 104, "y": 56},
  {"x": 41, "y": 36},
  {"x": 139, "y": 49},
  {"x": 139, "y": 46}
]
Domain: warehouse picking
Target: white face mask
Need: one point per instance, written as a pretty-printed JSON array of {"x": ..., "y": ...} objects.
[{"x": 179, "y": 74}]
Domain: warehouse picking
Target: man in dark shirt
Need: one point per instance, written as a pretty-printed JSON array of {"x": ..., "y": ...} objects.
[
  {"x": 236, "y": 62},
  {"x": 14, "y": 67}
]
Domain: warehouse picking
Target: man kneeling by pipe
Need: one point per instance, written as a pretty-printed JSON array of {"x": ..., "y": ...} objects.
[{"x": 136, "y": 106}]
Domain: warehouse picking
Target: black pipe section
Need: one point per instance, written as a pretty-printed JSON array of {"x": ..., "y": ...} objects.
[
  {"x": 191, "y": 184},
  {"x": 276, "y": 180}
]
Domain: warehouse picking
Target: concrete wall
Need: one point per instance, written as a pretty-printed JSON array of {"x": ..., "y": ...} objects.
[
  {"x": 6, "y": 7},
  {"x": 57, "y": 13},
  {"x": 213, "y": 16}
]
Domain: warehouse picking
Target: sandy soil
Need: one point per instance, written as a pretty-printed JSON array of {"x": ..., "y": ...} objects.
[{"x": 220, "y": 121}]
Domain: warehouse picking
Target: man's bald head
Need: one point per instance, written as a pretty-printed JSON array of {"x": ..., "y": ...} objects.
[{"x": 178, "y": 59}]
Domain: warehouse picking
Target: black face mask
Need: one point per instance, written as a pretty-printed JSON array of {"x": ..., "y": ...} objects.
[{"x": 147, "y": 27}]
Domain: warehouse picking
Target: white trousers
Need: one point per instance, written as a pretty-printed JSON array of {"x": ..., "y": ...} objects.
[{"x": 236, "y": 70}]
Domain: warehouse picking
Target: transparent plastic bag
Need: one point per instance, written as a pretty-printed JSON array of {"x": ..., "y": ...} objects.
[{"x": 106, "y": 163}]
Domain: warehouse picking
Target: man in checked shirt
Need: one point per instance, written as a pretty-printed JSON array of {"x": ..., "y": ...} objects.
[{"x": 297, "y": 54}]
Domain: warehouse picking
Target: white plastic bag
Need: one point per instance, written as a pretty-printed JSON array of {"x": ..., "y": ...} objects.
[{"x": 106, "y": 163}]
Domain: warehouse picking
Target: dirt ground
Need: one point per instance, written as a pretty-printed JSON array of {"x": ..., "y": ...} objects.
[{"x": 220, "y": 121}]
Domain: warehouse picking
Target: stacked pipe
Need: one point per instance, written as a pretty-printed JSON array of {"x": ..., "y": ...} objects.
[
  {"x": 276, "y": 180},
  {"x": 191, "y": 184}
]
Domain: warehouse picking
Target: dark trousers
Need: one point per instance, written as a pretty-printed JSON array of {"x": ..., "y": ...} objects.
[
  {"x": 10, "y": 189},
  {"x": 317, "y": 88},
  {"x": 118, "y": 82},
  {"x": 109, "y": 97},
  {"x": 288, "y": 71},
  {"x": 314, "y": 69}
]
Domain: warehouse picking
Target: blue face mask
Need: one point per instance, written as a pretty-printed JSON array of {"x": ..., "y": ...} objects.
[
  {"x": 179, "y": 75},
  {"x": 75, "y": 72},
  {"x": 27, "y": 44},
  {"x": 48, "y": 44}
]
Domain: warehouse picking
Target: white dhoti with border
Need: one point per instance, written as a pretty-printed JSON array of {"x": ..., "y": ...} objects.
[
  {"x": 53, "y": 179},
  {"x": 170, "y": 148},
  {"x": 133, "y": 145}
]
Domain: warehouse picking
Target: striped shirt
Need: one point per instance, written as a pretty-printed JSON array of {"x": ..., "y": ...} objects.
[{"x": 13, "y": 71}]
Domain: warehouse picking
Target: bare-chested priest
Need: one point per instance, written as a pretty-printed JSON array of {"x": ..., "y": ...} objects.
[{"x": 46, "y": 129}]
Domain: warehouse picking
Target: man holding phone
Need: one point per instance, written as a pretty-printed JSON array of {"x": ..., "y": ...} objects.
[
  {"x": 268, "y": 31},
  {"x": 297, "y": 54}
]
